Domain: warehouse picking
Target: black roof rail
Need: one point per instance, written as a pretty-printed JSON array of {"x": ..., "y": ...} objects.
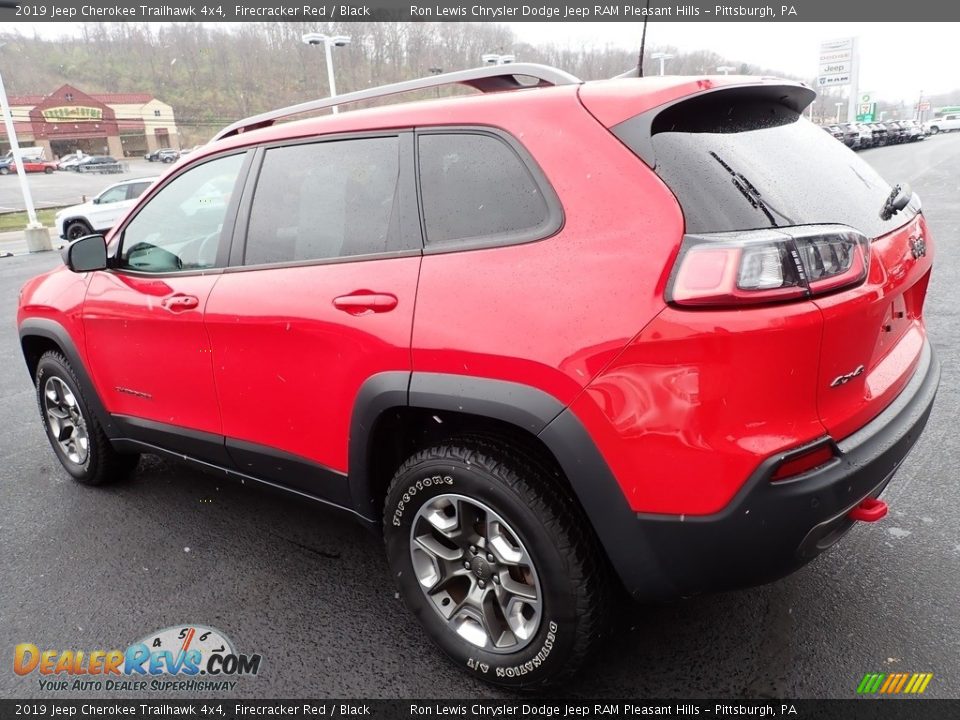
[{"x": 491, "y": 78}]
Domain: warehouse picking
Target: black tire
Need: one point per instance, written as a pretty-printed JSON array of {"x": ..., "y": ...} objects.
[
  {"x": 77, "y": 229},
  {"x": 934, "y": 130},
  {"x": 101, "y": 463},
  {"x": 48, "y": 171},
  {"x": 4, "y": 170},
  {"x": 574, "y": 580}
]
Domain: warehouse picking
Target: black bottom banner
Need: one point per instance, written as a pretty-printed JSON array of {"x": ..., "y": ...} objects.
[{"x": 867, "y": 709}]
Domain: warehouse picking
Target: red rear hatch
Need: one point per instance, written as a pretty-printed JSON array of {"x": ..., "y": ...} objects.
[
  {"x": 877, "y": 327},
  {"x": 750, "y": 172}
]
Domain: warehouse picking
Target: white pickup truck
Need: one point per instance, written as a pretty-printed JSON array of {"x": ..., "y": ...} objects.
[{"x": 946, "y": 123}]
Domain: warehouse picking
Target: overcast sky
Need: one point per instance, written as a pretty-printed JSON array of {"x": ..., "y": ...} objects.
[{"x": 898, "y": 60}]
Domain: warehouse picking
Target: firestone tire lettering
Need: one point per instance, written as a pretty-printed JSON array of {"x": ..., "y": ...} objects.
[{"x": 414, "y": 489}]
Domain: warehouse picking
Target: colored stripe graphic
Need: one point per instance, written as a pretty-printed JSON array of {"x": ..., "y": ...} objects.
[{"x": 894, "y": 683}]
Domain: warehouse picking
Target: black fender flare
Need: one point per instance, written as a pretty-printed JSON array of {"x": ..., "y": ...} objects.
[
  {"x": 535, "y": 412},
  {"x": 54, "y": 331}
]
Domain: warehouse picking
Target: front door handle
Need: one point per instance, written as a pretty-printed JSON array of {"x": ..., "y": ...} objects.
[
  {"x": 179, "y": 303},
  {"x": 364, "y": 302}
]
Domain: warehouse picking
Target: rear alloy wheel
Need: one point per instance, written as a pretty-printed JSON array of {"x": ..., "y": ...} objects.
[
  {"x": 485, "y": 587},
  {"x": 73, "y": 430},
  {"x": 77, "y": 229},
  {"x": 4, "y": 170},
  {"x": 496, "y": 560}
]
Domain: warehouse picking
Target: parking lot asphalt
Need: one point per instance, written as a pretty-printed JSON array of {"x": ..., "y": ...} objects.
[
  {"x": 90, "y": 568},
  {"x": 65, "y": 187}
]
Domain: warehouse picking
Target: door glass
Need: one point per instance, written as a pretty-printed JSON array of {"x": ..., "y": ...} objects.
[
  {"x": 114, "y": 194},
  {"x": 135, "y": 190},
  {"x": 325, "y": 200},
  {"x": 476, "y": 186},
  {"x": 179, "y": 228}
]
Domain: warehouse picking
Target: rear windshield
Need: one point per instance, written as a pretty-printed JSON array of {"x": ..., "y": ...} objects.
[{"x": 744, "y": 166}]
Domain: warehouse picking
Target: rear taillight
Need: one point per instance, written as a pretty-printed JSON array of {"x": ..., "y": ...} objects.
[{"x": 763, "y": 266}]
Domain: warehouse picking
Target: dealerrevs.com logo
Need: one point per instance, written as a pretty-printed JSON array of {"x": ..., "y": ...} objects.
[{"x": 190, "y": 658}]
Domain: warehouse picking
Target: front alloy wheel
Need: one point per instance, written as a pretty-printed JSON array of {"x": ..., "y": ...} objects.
[
  {"x": 73, "y": 430},
  {"x": 67, "y": 425},
  {"x": 475, "y": 573}
]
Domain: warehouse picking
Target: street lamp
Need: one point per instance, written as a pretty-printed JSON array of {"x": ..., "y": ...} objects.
[
  {"x": 494, "y": 59},
  {"x": 839, "y": 105},
  {"x": 725, "y": 69},
  {"x": 37, "y": 236},
  {"x": 328, "y": 41},
  {"x": 662, "y": 57}
]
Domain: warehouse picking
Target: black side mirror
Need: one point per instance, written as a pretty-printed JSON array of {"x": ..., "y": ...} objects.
[
  {"x": 86, "y": 254},
  {"x": 96, "y": 201}
]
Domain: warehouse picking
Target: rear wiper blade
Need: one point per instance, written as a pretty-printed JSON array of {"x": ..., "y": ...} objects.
[
  {"x": 750, "y": 192},
  {"x": 899, "y": 198}
]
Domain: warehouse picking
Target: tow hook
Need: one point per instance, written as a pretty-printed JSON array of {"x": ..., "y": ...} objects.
[{"x": 869, "y": 510}]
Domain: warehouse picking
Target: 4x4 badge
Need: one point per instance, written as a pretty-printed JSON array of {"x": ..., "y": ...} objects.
[
  {"x": 844, "y": 379},
  {"x": 918, "y": 248}
]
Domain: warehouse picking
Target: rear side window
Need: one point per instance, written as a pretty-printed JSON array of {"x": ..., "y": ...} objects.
[
  {"x": 741, "y": 162},
  {"x": 326, "y": 200},
  {"x": 135, "y": 190},
  {"x": 476, "y": 187}
]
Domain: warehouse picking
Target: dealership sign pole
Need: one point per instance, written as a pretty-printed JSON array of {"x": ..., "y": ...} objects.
[
  {"x": 839, "y": 65},
  {"x": 37, "y": 237}
]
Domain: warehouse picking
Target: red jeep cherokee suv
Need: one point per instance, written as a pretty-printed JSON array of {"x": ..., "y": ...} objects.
[{"x": 550, "y": 339}]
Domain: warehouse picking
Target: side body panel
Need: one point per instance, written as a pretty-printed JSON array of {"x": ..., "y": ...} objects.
[{"x": 553, "y": 313}]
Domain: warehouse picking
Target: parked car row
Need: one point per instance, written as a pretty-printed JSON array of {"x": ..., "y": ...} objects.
[{"x": 860, "y": 136}]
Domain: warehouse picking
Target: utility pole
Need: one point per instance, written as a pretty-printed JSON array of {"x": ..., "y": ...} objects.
[{"x": 37, "y": 236}]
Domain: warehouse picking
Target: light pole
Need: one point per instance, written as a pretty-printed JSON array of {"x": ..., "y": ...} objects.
[
  {"x": 725, "y": 69},
  {"x": 328, "y": 41},
  {"x": 839, "y": 105},
  {"x": 435, "y": 70},
  {"x": 662, "y": 57},
  {"x": 37, "y": 237},
  {"x": 494, "y": 59}
]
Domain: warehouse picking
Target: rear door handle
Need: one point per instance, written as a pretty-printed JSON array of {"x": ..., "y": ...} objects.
[
  {"x": 364, "y": 302},
  {"x": 179, "y": 303}
]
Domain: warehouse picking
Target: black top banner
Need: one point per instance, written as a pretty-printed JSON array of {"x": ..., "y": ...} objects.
[{"x": 475, "y": 11}]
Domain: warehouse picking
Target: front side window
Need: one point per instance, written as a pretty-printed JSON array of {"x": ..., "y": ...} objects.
[
  {"x": 326, "y": 200},
  {"x": 474, "y": 186},
  {"x": 112, "y": 195},
  {"x": 179, "y": 228}
]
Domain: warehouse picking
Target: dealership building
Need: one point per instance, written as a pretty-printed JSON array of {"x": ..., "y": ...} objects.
[{"x": 68, "y": 119}]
